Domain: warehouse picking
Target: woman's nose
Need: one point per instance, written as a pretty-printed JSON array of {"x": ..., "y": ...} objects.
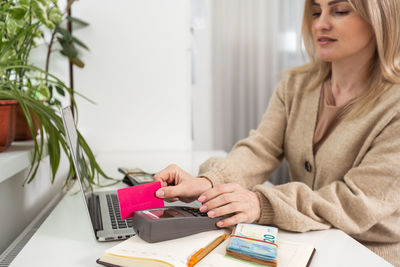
[{"x": 323, "y": 22}]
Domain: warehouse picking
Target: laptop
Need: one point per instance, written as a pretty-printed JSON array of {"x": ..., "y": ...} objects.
[{"x": 103, "y": 207}]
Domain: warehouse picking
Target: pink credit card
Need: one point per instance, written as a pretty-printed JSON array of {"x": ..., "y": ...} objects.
[{"x": 139, "y": 197}]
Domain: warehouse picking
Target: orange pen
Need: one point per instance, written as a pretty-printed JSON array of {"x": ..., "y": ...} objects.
[{"x": 201, "y": 253}]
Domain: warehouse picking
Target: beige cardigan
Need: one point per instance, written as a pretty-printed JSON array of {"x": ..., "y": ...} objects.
[{"x": 352, "y": 183}]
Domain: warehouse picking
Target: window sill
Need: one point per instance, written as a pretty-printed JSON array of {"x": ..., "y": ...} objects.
[{"x": 15, "y": 159}]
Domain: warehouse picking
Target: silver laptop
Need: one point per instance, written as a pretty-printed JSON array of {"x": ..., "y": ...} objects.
[{"x": 103, "y": 207}]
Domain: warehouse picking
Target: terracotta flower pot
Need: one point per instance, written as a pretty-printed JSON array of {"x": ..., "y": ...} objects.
[
  {"x": 22, "y": 131},
  {"x": 7, "y": 123}
]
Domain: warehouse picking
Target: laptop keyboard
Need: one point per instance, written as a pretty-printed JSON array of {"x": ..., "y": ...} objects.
[{"x": 115, "y": 214}]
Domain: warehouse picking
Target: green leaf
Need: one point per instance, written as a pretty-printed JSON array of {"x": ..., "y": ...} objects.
[
  {"x": 65, "y": 34},
  {"x": 79, "y": 21},
  {"x": 41, "y": 14},
  {"x": 53, "y": 148},
  {"x": 55, "y": 15},
  {"x": 18, "y": 12},
  {"x": 5, "y": 53},
  {"x": 60, "y": 90},
  {"x": 57, "y": 103},
  {"x": 69, "y": 52},
  {"x": 55, "y": 81},
  {"x": 68, "y": 49},
  {"x": 50, "y": 90},
  {"x": 44, "y": 91},
  {"x": 43, "y": 2},
  {"x": 25, "y": 2},
  {"x": 79, "y": 42},
  {"x": 12, "y": 27},
  {"x": 39, "y": 11}
]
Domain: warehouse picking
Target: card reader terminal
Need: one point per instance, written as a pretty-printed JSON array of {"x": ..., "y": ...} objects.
[{"x": 160, "y": 224}]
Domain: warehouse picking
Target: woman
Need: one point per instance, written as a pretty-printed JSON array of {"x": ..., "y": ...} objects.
[{"x": 337, "y": 122}]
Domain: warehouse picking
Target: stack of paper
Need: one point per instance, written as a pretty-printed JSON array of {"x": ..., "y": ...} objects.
[{"x": 256, "y": 243}]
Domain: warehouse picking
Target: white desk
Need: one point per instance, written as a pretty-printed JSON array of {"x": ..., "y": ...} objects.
[{"x": 66, "y": 237}]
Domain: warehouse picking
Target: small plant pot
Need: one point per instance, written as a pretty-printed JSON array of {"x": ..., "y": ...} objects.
[
  {"x": 22, "y": 131},
  {"x": 7, "y": 123}
]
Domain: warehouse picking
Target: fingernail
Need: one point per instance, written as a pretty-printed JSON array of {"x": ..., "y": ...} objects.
[
  {"x": 211, "y": 213},
  {"x": 220, "y": 224},
  {"x": 202, "y": 198},
  {"x": 203, "y": 208},
  {"x": 160, "y": 193}
]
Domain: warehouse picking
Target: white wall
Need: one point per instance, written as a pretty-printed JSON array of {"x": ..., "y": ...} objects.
[
  {"x": 202, "y": 104},
  {"x": 138, "y": 73}
]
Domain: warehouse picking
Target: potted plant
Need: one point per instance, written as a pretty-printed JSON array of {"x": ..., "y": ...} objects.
[
  {"x": 22, "y": 24},
  {"x": 7, "y": 123},
  {"x": 31, "y": 18}
]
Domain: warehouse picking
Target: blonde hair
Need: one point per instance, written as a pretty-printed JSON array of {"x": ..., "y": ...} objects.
[{"x": 384, "y": 18}]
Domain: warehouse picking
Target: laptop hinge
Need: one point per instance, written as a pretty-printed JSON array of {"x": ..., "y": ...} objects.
[{"x": 95, "y": 212}]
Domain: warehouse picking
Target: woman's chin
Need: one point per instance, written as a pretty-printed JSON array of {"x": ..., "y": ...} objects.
[{"x": 326, "y": 58}]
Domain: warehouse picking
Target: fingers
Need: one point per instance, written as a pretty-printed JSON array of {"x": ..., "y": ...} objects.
[
  {"x": 240, "y": 214},
  {"x": 168, "y": 175},
  {"x": 176, "y": 183},
  {"x": 175, "y": 193},
  {"x": 159, "y": 179},
  {"x": 218, "y": 190},
  {"x": 226, "y": 209},
  {"x": 170, "y": 192},
  {"x": 231, "y": 199},
  {"x": 233, "y": 220},
  {"x": 241, "y": 205},
  {"x": 219, "y": 201}
]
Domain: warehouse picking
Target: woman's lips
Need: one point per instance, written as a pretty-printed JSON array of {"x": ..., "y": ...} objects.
[{"x": 325, "y": 40}]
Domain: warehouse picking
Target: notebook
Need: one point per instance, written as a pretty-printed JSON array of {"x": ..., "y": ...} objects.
[
  {"x": 177, "y": 252},
  {"x": 103, "y": 207}
]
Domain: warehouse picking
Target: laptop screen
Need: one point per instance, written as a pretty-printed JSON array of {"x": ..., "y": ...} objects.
[{"x": 76, "y": 151}]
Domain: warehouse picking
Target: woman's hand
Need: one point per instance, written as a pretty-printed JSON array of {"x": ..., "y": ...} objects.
[
  {"x": 180, "y": 185},
  {"x": 231, "y": 198}
]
